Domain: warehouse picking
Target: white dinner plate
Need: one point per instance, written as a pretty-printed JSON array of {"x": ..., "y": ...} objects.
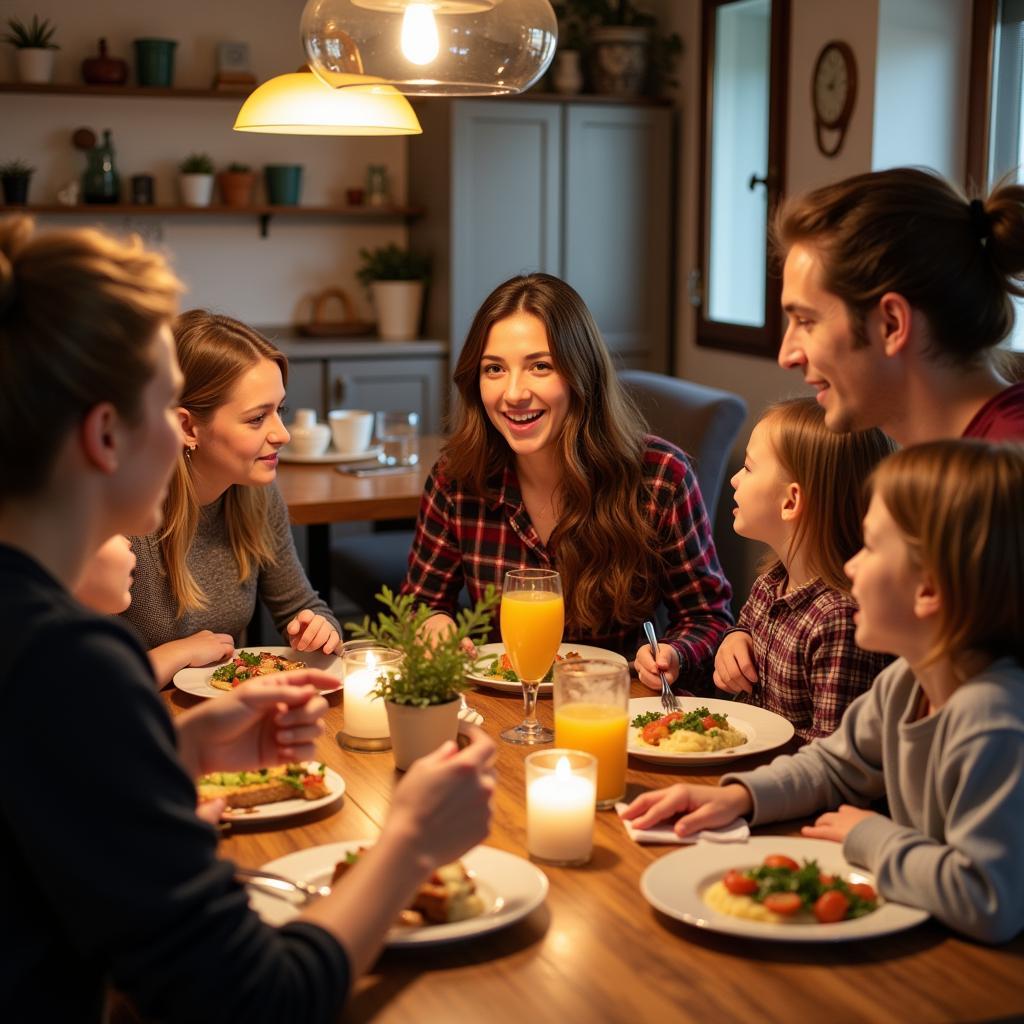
[
  {"x": 488, "y": 651},
  {"x": 197, "y": 680},
  {"x": 287, "y": 808},
  {"x": 764, "y": 730},
  {"x": 331, "y": 456},
  {"x": 675, "y": 885},
  {"x": 510, "y": 887}
]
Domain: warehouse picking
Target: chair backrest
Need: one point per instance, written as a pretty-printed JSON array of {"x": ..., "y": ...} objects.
[{"x": 702, "y": 421}]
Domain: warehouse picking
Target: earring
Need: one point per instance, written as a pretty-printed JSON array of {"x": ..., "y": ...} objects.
[{"x": 189, "y": 449}]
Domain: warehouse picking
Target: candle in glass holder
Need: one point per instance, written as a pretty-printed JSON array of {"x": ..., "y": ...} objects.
[
  {"x": 561, "y": 793},
  {"x": 366, "y": 720}
]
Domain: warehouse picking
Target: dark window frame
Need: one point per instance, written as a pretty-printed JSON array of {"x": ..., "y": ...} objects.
[{"x": 759, "y": 341}]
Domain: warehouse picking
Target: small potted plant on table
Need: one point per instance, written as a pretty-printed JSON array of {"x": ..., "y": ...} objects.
[
  {"x": 196, "y": 180},
  {"x": 236, "y": 185},
  {"x": 34, "y": 49},
  {"x": 422, "y": 697},
  {"x": 396, "y": 279},
  {"x": 14, "y": 177}
]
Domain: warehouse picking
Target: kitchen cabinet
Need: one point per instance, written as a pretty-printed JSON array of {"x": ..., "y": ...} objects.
[
  {"x": 581, "y": 191},
  {"x": 366, "y": 374}
]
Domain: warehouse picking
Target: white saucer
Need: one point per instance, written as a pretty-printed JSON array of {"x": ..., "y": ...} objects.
[{"x": 331, "y": 456}]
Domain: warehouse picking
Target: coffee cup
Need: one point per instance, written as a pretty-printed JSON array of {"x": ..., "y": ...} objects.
[
  {"x": 308, "y": 438},
  {"x": 351, "y": 429}
]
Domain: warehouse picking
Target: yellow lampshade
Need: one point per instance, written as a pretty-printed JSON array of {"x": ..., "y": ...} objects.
[{"x": 301, "y": 104}]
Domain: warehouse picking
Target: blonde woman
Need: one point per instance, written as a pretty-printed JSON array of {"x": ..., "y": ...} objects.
[{"x": 226, "y": 539}]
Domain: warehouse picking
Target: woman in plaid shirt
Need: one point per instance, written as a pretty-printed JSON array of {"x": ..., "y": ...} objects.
[
  {"x": 549, "y": 466},
  {"x": 801, "y": 491}
]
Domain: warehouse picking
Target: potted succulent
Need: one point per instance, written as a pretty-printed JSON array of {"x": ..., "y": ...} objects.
[
  {"x": 14, "y": 177},
  {"x": 236, "y": 184},
  {"x": 34, "y": 47},
  {"x": 628, "y": 55},
  {"x": 422, "y": 698},
  {"x": 395, "y": 278},
  {"x": 196, "y": 180}
]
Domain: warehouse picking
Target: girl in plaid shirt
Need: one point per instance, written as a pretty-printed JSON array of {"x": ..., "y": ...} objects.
[
  {"x": 800, "y": 491},
  {"x": 549, "y": 466}
]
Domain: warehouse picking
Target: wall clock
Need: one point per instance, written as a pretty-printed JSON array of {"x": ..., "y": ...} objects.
[{"x": 833, "y": 93}]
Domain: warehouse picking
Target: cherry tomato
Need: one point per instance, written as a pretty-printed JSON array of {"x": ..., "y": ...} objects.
[
  {"x": 786, "y": 903},
  {"x": 831, "y": 906},
  {"x": 864, "y": 891},
  {"x": 738, "y": 884},
  {"x": 780, "y": 860},
  {"x": 311, "y": 780},
  {"x": 826, "y": 879},
  {"x": 709, "y": 722}
]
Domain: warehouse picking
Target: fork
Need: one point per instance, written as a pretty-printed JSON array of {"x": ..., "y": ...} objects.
[
  {"x": 669, "y": 701},
  {"x": 279, "y": 886}
]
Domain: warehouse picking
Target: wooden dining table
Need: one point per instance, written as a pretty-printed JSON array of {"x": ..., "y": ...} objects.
[
  {"x": 596, "y": 951},
  {"x": 317, "y": 494}
]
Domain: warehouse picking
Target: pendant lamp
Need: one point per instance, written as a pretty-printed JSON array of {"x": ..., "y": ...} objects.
[
  {"x": 432, "y": 47},
  {"x": 300, "y": 104}
]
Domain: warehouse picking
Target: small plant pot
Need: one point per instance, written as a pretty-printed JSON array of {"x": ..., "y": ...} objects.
[
  {"x": 284, "y": 184},
  {"x": 34, "y": 65},
  {"x": 15, "y": 188},
  {"x": 417, "y": 731},
  {"x": 567, "y": 76},
  {"x": 196, "y": 189},
  {"x": 398, "y": 305},
  {"x": 154, "y": 62},
  {"x": 236, "y": 187},
  {"x": 620, "y": 60}
]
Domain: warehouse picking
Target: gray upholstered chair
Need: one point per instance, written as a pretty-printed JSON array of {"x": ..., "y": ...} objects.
[{"x": 702, "y": 421}]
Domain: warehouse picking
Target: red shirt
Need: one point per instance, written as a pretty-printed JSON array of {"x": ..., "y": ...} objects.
[
  {"x": 809, "y": 667},
  {"x": 463, "y": 538},
  {"x": 1001, "y": 418}
]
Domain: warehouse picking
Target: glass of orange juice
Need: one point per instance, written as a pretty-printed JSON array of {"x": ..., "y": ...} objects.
[
  {"x": 592, "y": 714},
  {"x": 532, "y": 619}
]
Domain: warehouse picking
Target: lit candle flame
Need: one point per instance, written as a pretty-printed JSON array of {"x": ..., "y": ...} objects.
[
  {"x": 420, "y": 43},
  {"x": 563, "y": 769}
]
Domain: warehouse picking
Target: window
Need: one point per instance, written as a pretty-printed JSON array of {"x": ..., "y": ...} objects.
[{"x": 734, "y": 286}]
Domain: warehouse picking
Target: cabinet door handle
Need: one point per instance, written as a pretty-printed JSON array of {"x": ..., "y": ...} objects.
[{"x": 339, "y": 390}]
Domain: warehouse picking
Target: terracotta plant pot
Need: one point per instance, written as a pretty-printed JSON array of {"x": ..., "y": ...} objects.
[
  {"x": 236, "y": 187},
  {"x": 417, "y": 731}
]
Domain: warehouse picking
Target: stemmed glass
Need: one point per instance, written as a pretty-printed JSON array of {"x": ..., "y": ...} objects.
[{"x": 532, "y": 620}]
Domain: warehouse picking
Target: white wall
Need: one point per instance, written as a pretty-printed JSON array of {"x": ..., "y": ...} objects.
[
  {"x": 223, "y": 260},
  {"x": 922, "y": 62}
]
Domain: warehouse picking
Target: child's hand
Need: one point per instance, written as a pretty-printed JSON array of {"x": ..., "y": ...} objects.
[
  {"x": 647, "y": 668},
  {"x": 708, "y": 806},
  {"x": 440, "y": 625},
  {"x": 311, "y": 632},
  {"x": 836, "y": 825},
  {"x": 735, "y": 671}
]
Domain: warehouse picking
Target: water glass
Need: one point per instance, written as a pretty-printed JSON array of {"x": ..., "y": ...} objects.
[
  {"x": 592, "y": 713},
  {"x": 398, "y": 434}
]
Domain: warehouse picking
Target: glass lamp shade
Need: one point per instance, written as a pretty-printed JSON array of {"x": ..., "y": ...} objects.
[
  {"x": 300, "y": 104},
  {"x": 432, "y": 47}
]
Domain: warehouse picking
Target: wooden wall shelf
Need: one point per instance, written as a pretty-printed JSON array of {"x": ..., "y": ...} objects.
[
  {"x": 153, "y": 92},
  {"x": 263, "y": 212}
]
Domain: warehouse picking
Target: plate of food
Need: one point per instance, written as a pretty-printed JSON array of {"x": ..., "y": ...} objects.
[
  {"x": 486, "y": 890},
  {"x": 703, "y": 731},
  {"x": 273, "y": 794},
  {"x": 493, "y": 668},
  {"x": 250, "y": 662},
  {"x": 331, "y": 456},
  {"x": 781, "y": 888}
]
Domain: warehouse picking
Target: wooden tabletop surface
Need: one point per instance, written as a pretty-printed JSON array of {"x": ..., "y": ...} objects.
[
  {"x": 317, "y": 493},
  {"x": 597, "y": 952}
]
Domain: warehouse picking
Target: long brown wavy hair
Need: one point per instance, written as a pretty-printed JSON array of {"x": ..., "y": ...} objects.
[
  {"x": 832, "y": 470},
  {"x": 213, "y": 352},
  {"x": 607, "y": 550}
]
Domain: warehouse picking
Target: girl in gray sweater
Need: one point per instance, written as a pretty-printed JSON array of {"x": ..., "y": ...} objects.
[{"x": 940, "y": 583}]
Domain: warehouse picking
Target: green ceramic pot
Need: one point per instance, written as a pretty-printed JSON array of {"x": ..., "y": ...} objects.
[
  {"x": 154, "y": 62},
  {"x": 284, "y": 184}
]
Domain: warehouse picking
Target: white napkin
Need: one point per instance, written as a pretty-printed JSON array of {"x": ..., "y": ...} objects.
[
  {"x": 737, "y": 831},
  {"x": 470, "y": 715}
]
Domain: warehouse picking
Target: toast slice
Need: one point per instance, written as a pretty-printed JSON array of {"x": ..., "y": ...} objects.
[{"x": 303, "y": 780}]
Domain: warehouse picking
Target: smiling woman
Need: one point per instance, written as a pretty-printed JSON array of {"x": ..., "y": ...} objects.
[
  {"x": 226, "y": 537},
  {"x": 550, "y": 466}
]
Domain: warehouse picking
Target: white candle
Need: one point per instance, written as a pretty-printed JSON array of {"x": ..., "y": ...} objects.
[
  {"x": 365, "y": 715},
  {"x": 560, "y": 810}
]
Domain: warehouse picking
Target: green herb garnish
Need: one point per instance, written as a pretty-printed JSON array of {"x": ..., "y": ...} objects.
[{"x": 647, "y": 717}]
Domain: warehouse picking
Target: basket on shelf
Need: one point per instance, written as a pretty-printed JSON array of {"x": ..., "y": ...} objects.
[{"x": 319, "y": 327}]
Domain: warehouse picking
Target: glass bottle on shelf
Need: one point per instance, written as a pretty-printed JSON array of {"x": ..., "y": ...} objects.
[{"x": 101, "y": 183}]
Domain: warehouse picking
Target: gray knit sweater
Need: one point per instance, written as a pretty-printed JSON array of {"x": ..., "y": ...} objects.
[
  {"x": 283, "y": 587},
  {"x": 954, "y": 844}
]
